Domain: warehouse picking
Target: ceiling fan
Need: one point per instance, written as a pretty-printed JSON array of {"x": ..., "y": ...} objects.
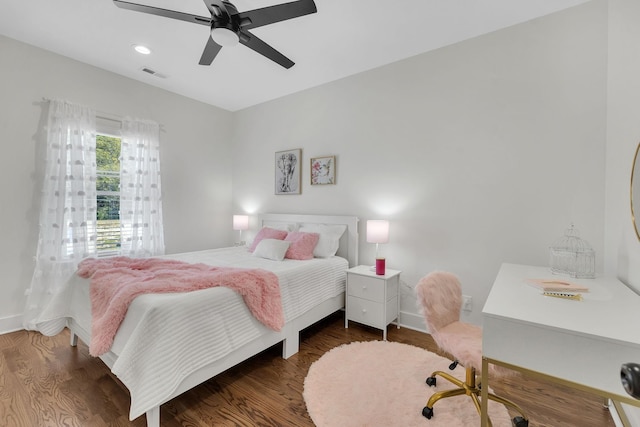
[{"x": 230, "y": 27}]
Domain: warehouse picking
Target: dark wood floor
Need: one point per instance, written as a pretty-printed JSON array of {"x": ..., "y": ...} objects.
[{"x": 45, "y": 382}]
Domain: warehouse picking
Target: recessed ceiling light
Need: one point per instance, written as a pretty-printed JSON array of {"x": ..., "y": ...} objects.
[{"x": 142, "y": 49}]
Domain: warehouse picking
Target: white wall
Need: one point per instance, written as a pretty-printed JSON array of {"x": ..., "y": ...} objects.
[
  {"x": 479, "y": 153},
  {"x": 623, "y": 135},
  {"x": 195, "y": 153}
]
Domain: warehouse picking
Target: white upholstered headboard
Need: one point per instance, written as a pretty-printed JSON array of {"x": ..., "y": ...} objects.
[{"x": 348, "y": 242}]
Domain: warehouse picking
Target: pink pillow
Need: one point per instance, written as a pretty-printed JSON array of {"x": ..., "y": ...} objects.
[
  {"x": 267, "y": 233},
  {"x": 302, "y": 245}
]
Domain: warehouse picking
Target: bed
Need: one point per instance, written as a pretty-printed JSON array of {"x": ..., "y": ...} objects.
[{"x": 148, "y": 354}]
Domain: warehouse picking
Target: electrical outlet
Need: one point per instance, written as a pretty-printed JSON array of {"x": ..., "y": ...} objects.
[{"x": 467, "y": 303}]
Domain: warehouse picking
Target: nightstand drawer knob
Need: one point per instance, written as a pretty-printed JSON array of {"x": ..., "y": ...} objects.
[
  {"x": 364, "y": 310},
  {"x": 364, "y": 287}
]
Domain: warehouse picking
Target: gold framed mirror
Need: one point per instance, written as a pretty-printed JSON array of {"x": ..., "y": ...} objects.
[{"x": 635, "y": 191}]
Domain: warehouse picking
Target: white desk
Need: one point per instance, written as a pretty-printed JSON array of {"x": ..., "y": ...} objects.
[{"x": 577, "y": 343}]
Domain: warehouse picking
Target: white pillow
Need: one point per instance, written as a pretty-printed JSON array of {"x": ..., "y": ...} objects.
[
  {"x": 273, "y": 249},
  {"x": 281, "y": 225},
  {"x": 329, "y": 238}
]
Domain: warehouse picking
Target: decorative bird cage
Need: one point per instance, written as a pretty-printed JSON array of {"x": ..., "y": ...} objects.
[{"x": 573, "y": 256}]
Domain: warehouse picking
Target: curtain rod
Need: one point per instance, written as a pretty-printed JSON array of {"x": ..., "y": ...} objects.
[
  {"x": 107, "y": 116},
  {"x": 101, "y": 114}
]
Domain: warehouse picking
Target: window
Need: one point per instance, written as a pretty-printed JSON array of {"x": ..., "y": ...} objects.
[
  {"x": 129, "y": 205},
  {"x": 108, "y": 194}
]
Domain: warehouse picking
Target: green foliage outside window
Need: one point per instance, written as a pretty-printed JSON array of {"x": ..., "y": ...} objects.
[
  {"x": 107, "y": 153},
  {"x": 108, "y": 188},
  {"x": 108, "y": 166}
]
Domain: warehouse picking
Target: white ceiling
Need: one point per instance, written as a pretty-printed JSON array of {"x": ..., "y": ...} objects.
[{"x": 344, "y": 37}]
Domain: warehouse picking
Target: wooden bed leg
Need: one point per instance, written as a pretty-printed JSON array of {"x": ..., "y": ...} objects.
[
  {"x": 290, "y": 345},
  {"x": 153, "y": 417},
  {"x": 73, "y": 340}
]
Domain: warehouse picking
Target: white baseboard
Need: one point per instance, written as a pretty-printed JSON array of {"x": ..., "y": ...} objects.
[
  {"x": 412, "y": 321},
  {"x": 10, "y": 324}
]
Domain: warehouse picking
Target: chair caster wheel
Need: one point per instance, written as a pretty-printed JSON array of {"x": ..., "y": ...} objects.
[
  {"x": 520, "y": 422},
  {"x": 427, "y": 412},
  {"x": 431, "y": 381}
]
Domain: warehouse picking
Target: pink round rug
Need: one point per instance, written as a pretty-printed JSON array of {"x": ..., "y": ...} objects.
[{"x": 382, "y": 383}]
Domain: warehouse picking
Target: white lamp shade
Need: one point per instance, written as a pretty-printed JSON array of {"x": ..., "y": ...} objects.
[
  {"x": 240, "y": 222},
  {"x": 377, "y": 231}
]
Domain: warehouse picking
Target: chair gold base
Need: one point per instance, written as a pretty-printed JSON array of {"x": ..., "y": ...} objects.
[{"x": 469, "y": 388}]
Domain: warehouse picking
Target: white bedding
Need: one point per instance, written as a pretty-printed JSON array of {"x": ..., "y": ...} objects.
[{"x": 166, "y": 337}]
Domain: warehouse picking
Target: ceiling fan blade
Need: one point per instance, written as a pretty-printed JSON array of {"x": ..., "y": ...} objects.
[
  {"x": 216, "y": 7},
  {"x": 280, "y": 12},
  {"x": 163, "y": 12},
  {"x": 211, "y": 49},
  {"x": 252, "y": 42}
]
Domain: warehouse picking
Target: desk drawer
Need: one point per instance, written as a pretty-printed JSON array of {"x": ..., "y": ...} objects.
[{"x": 366, "y": 287}]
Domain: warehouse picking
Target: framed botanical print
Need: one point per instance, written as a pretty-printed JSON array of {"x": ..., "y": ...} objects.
[
  {"x": 287, "y": 171},
  {"x": 323, "y": 170}
]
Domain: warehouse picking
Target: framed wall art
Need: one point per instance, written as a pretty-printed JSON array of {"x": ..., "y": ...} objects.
[
  {"x": 287, "y": 167},
  {"x": 323, "y": 170}
]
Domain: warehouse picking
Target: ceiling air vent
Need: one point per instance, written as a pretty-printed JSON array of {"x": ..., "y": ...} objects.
[{"x": 153, "y": 72}]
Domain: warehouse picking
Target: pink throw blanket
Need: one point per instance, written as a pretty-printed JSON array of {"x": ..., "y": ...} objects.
[{"x": 116, "y": 281}]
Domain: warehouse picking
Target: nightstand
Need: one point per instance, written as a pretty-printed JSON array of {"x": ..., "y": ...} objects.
[{"x": 372, "y": 299}]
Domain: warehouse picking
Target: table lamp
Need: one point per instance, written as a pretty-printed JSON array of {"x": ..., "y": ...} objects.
[
  {"x": 240, "y": 222},
  {"x": 378, "y": 232}
]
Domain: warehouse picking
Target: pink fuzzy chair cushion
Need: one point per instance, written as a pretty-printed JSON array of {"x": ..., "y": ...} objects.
[
  {"x": 463, "y": 341},
  {"x": 302, "y": 245},
  {"x": 267, "y": 233}
]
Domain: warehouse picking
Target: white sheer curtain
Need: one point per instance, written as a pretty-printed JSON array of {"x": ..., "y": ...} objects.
[
  {"x": 140, "y": 189},
  {"x": 68, "y": 208}
]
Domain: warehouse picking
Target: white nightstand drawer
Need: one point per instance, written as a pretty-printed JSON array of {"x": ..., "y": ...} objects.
[
  {"x": 365, "y": 287},
  {"x": 365, "y": 311}
]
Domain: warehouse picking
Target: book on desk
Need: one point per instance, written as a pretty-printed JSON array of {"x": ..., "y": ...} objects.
[{"x": 558, "y": 288}]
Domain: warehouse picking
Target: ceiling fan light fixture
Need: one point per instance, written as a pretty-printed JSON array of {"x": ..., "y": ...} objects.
[{"x": 224, "y": 37}]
